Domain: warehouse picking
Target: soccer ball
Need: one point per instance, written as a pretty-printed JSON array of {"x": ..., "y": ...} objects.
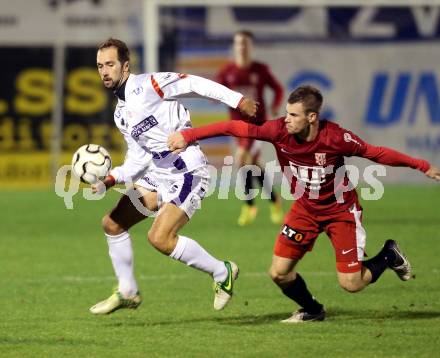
[{"x": 91, "y": 162}]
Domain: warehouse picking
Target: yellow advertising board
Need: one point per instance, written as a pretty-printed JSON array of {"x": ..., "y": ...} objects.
[{"x": 34, "y": 170}]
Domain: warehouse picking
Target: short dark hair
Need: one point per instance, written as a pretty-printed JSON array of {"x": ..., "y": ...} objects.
[
  {"x": 246, "y": 33},
  {"x": 309, "y": 96},
  {"x": 123, "y": 52}
]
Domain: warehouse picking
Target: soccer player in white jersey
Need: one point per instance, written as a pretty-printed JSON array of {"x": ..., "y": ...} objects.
[{"x": 172, "y": 185}]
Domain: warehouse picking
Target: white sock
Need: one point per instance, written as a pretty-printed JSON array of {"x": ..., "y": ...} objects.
[
  {"x": 121, "y": 254},
  {"x": 191, "y": 253}
]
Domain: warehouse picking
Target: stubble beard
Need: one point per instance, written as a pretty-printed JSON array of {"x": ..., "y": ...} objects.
[
  {"x": 112, "y": 84},
  {"x": 115, "y": 84},
  {"x": 304, "y": 133}
]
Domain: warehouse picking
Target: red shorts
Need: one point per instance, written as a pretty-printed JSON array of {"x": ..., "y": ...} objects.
[{"x": 300, "y": 230}]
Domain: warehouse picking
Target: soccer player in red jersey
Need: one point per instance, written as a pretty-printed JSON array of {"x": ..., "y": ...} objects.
[
  {"x": 312, "y": 152},
  {"x": 251, "y": 78}
]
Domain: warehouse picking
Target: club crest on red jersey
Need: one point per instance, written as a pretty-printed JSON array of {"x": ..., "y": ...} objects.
[{"x": 320, "y": 158}]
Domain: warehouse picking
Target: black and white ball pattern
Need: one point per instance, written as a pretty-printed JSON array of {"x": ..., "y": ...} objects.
[{"x": 91, "y": 162}]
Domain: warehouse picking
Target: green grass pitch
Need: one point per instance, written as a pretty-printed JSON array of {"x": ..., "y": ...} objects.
[{"x": 54, "y": 266}]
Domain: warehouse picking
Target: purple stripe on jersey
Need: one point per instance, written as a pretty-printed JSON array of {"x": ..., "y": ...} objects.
[
  {"x": 179, "y": 164},
  {"x": 186, "y": 187},
  {"x": 160, "y": 155}
]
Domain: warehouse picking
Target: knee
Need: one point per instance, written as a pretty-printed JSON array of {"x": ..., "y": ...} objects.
[
  {"x": 280, "y": 279},
  {"x": 160, "y": 240},
  {"x": 352, "y": 285},
  {"x": 110, "y": 226}
]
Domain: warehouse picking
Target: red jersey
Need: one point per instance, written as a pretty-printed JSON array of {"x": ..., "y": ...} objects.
[
  {"x": 316, "y": 169},
  {"x": 251, "y": 81}
]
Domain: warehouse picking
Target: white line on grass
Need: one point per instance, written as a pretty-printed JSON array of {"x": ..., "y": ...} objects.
[
  {"x": 153, "y": 277},
  {"x": 169, "y": 277}
]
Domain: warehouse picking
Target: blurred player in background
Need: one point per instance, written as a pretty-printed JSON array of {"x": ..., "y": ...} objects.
[
  {"x": 251, "y": 78},
  {"x": 311, "y": 152},
  {"x": 171, "y": 185}
]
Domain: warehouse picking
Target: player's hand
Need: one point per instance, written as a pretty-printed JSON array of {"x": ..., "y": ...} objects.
[
  {"x": 433, "y": 173},
  {"x": 248, "y": 107},
  {"x": 176, "y": 143},
  {"x": 101, "y": 186}
]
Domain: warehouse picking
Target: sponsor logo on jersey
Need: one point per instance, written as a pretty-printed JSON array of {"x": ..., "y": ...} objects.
[
  {"x": 287, "y": 152},
  {"x": 151, "y": 181},
  {"x": 143, "y": 126},
  {"x": 320, "y": 158},
  {"x": 311, "y": 177},
  {"x": 345, "y": 252},
  {"x": 348, "y": 138},
  {"x": 138, "y": 91},
  {"x": 292, "y": 234}
]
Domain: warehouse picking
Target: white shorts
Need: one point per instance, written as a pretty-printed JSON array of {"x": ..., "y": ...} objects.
[{"x": 185, "y": 190}]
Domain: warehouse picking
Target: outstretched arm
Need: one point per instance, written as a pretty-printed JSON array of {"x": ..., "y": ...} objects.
[
  {"x": 267, "y": 132},
  {"x": 433, "y": 173},
  {"x": 351, "y": 145},
  {"x": 388, "y": 156},
  {"x": 170, "y": 85}
]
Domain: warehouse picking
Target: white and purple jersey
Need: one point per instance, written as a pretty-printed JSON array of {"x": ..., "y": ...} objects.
[{"x": 148, "y": 111}]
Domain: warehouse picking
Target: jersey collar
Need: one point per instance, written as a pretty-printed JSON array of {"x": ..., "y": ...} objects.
[{"x": 120, "y": 91}]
